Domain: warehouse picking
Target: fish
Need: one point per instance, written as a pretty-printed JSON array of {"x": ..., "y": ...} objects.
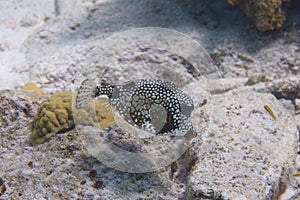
[
  {"x": 296, "y": 174},
  {"x": 85, "y": 93},
  {"x": 270, "y": 111},
  {"x": 156, "y": 106}
]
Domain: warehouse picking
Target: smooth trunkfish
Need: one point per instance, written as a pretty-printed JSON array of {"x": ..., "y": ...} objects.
[{"x": 156, "y": 106}]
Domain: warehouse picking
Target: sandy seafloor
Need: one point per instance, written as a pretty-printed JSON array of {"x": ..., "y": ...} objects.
[{"x": 238, "y": 49}]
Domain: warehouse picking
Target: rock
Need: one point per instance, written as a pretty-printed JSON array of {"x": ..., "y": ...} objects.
[
  {"x": 222, "y": 85},
  {"x": 256, "y": 78},
  {"x": 297, "y": 106},
  {"x": 28, "y": 21},
  {"x": 292, "y": 192},
  {"x": 288, "y": 88},
  {"x": 245, "y": 153},
  {"x": 16, "y": 105},
  {"x": 63, "y": 7}
]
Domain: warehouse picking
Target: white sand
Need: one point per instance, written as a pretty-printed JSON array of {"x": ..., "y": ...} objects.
[{"x": 18, "y": 19}]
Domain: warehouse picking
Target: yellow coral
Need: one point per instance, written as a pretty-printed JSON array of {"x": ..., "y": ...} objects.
[
  {"x": 55, "y": 114},
  {"x": 31, "y": 87},
  {"x": 46, "y": 122},
  {"x": 266, "y": 14}
]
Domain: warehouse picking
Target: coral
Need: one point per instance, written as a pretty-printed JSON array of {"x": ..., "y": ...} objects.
[
  {"x": 31, "y": 87},
  {"x": 266, "y": 14},
  {"x": 55, "y": 115}
]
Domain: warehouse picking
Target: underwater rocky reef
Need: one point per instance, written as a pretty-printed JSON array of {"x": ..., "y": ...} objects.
[{"x": 243, "y": 80}]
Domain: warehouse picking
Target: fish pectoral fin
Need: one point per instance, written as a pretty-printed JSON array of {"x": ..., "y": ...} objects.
[{"x": 85, "y": 93}]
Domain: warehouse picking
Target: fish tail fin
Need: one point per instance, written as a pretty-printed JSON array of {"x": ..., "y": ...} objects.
[{"x": 85, "y": 93}]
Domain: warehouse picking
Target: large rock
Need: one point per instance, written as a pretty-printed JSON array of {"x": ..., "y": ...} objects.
[{"x": 246, "y": 154}]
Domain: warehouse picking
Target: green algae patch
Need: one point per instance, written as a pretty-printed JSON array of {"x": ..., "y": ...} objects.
[{"x": 55, "y": 115}]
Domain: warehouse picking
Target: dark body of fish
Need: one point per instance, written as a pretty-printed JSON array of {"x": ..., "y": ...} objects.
[{"x": 157, "y": 106}]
